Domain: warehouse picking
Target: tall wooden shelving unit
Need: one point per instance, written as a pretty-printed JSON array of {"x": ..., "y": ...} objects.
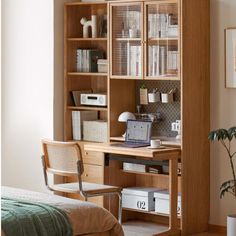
[
  {"x": 192, "y": 45},
  {"x": 74, "y": 80}
]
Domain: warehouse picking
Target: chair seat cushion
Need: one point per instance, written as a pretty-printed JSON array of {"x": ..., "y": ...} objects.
[{"x": 88, "y": 188}]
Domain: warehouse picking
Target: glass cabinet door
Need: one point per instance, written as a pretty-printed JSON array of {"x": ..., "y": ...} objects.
[
  {"x": 126, "y": 45},
  {"x": 162, "y": 40}
]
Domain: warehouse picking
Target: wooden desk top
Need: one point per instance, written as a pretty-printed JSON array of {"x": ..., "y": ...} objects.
[{"x": 155, "y": 154}]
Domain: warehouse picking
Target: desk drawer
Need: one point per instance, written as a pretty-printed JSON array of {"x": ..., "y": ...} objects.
[
  {"x": 94, "y": 158},
  {"x": 93, "y": 174},
  {"x": 90, "y": 157}
]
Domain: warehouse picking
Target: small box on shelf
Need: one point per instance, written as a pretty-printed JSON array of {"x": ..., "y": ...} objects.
[
  {"x": 139, "y": 198},
  {"x": 162, "y": 203},
  {"x": 134, "y": 167}
]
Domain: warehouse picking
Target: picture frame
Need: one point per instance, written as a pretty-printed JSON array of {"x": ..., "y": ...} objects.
[{"x": 230, "y": 57}]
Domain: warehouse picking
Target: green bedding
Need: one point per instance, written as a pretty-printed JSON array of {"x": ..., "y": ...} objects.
[{"x": 21, "y": 218}]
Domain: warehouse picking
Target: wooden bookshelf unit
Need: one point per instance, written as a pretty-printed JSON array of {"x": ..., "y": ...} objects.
[{"x": 158, "y": 41}]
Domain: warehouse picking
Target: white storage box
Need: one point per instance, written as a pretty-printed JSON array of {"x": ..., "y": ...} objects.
[
  {"x": 95, "y": 131},
  {"x": 134, "y": 167},
  {"x": 162, "y": 203},
  {"x": 102, "y": 65},
  {"x": 139, "y": 198}
]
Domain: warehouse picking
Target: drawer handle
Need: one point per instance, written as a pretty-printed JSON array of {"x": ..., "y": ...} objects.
[
  {"x": 86, "y": 175},
  {"x": 86, "y": 153}
]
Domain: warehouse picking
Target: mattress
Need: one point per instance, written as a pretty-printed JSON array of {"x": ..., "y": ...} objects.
[{"x": 85, "y": 217}]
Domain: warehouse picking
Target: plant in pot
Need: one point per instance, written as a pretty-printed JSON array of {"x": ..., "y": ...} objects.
[{"x": 226, "y": 138}]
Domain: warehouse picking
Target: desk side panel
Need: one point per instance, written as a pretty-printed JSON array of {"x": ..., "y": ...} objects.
[{"x": 195, "y": 115}]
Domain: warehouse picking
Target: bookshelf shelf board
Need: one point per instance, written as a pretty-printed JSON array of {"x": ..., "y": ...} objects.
[
  {"x": 163, "y": 78},
  {"x": 87, "y": 108},
  {"x": 86, "y": 39},
  {"x": 87, "y": 73},
  {"x": 86, "y": 3},
  {"x": 148, "y": 174},
  {"x": 128, "y": 39},
  {"x": 125, "y": 77},
  {"x": 148, "y": 212},
  {"x": 163, "y": 39}
]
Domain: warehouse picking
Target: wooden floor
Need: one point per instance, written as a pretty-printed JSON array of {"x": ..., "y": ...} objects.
[{"x": 141, "y": 228}]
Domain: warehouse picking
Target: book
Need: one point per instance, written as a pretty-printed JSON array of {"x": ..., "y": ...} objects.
[
  {"x": 163, "y": 60},
  {"x": 77, "y": 122},
  {"x": 86, "y": 59}
]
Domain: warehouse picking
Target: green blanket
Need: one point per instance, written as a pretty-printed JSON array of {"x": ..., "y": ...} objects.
[{"x": 21, "y": 218}]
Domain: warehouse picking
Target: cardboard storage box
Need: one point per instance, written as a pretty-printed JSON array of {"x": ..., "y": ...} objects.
[
  {"x": 139, "y": 198},
  {"x": 162, "y": 203},
  {"x": 95, "y": 131}
]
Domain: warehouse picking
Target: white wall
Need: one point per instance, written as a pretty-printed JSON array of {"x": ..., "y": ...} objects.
[
  {"x": 27, "y": 89},
  {"x": 223, "y": 108}
]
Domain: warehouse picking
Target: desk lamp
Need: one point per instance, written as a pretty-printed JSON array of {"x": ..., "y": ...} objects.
[{"x": 124, "y": 116}]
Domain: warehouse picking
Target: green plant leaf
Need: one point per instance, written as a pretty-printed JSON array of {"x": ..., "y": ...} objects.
[
  {"x": 226, "y": 187},
  {"x": 232, "y": 133},
  {"x": 220, "y": 134}
]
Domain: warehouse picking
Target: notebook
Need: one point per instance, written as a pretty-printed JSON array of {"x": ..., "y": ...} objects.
[{"x": 138, "y": 134}]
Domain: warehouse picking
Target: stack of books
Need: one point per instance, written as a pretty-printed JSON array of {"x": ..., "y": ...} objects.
[
  {"x": 162, "y": 25},
  {"x": 162, "y": 61},
  {"x": 87, "y": 59}
]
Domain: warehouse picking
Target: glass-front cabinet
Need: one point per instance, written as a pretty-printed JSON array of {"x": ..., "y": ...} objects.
[
  {"x": 127, "y": 40},
  {"x": 144, "y": 40}
]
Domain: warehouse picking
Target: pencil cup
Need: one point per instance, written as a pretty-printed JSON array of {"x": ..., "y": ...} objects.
[
  {"x": 154, "y": 97},
  {"x": 167, "y": 97}
]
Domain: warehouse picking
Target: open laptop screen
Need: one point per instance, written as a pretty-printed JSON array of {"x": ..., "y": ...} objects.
[{"x": 138, "y": 131}]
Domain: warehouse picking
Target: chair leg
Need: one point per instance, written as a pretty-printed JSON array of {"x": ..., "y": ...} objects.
[{"x": 120, "y": 208}]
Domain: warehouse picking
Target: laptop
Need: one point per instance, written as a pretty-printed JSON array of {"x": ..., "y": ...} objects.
[{"x": 138, "y": 134}]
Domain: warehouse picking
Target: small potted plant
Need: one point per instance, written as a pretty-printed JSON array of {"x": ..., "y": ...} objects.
[{"x": 226, "y": 138}]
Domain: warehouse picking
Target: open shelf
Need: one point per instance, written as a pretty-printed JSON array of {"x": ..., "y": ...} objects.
[
  {"x": 148, "y": 212},
  {"x": 148, "y": 174},
  {"x": 87, "y": 74},
  {"x": 86, "y": 39},
  {"x": 87, "y": 108}
]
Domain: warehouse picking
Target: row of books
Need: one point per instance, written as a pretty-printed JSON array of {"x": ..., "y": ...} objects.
[
  {"x": 161, "y": 61},
  {"x": 162, "y": 25},
  {"x": 86, "y": 59}
]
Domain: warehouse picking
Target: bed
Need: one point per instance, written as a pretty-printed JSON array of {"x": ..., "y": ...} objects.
[{"x": 84, "y": 218}]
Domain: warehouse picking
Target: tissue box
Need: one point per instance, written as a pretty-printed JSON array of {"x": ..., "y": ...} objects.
[{"x": 95, "y": 131}]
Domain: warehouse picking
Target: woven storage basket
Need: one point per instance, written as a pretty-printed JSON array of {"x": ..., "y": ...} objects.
[{"x": 95, "y": 130}]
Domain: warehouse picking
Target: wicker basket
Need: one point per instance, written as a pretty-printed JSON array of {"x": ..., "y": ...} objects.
[{"x": 95, "y": 131}]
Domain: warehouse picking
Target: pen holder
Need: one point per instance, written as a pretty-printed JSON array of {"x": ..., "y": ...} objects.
[
  {"x": 154, "y": 97},
  {"x": 167, "y": 97}
]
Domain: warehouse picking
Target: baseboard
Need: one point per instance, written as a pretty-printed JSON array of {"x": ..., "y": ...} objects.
[{"x": 217, "y": 229}]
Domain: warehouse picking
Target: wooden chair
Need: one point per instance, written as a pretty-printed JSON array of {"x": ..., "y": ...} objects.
[{"x": 65, "y": 159}]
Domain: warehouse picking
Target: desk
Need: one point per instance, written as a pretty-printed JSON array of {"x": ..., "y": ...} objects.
[{"x": 170, "y": 154}]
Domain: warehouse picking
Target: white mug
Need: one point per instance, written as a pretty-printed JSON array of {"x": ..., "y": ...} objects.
[{"x": 155, "y": 143}]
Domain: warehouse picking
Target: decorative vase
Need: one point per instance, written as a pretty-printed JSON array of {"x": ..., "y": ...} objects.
[{"x": 231, "y": 225}]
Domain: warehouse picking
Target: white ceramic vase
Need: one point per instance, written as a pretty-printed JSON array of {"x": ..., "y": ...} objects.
[{"x": 231, "y": 225}]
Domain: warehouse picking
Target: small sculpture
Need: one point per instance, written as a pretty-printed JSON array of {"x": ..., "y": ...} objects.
[{"x": 86, "y": 24}]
